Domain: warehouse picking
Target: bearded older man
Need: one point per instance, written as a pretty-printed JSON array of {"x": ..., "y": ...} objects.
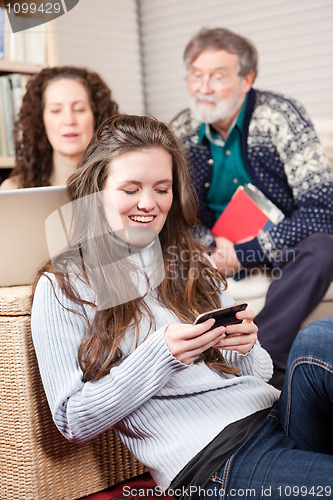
[{"x": 234, "y": 134}]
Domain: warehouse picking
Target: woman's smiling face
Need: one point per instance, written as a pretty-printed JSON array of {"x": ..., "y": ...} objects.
[{"x": 138, "y": 191}]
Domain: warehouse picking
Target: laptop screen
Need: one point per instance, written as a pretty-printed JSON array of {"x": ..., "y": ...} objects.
[{"x": 23, "y": 247}]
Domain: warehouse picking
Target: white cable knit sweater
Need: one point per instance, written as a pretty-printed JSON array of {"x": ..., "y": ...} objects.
[{"x": 164, "y": 411}]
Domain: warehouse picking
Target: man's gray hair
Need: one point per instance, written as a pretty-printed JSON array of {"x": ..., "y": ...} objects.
[{"x": 224, "y": 39}]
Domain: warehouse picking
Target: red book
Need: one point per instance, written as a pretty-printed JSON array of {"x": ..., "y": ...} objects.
[{"x": 247, "y": 212}]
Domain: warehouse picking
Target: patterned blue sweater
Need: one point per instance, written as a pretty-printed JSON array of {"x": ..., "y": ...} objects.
[{"x": 284, "y": 159}]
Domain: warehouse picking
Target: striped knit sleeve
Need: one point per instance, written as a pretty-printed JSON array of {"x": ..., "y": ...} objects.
[
  {"x": 257, "y": 362},
  {"x": 81, "y": 410}
]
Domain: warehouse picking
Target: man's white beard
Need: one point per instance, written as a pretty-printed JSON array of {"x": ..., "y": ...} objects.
[{"x": 224, "y": 107}]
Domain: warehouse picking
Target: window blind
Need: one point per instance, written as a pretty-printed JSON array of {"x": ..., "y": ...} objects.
[
  {"x": 103, "y": 35},
  {"x": 294, "y": 39}
]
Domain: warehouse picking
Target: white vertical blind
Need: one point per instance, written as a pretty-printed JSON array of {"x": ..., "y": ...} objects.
[
  {"x": 294, "y": 39},
  {"x": 103, "y": 36}
]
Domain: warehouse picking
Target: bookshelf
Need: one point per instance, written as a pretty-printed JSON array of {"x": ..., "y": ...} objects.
[
  {"x": 19, "y": 67},
  {"x": 22, "y": 67},
  {"x": 7, "y": 162}
]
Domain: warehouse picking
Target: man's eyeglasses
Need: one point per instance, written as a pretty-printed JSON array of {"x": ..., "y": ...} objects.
[{"x": 215, "y": 82}]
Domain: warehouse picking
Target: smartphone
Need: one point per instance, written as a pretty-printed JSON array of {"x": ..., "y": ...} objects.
[{"x": 223, "y": 316}]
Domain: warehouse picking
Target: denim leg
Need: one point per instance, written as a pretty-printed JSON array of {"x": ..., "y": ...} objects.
[
  {"x": 269, "y": 464},
  {"x": 291, "y": 452},
  {"x": 306, "y": 401}
]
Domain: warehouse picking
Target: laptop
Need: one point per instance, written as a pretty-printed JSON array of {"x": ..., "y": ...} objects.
[{"x": 23, "y": 245}]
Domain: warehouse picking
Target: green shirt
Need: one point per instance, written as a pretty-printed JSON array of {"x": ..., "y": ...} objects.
[{"x": 229, "y": 170}]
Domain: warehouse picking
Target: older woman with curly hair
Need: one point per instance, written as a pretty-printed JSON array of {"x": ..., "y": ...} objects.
[{"x": 60, "y": 111}]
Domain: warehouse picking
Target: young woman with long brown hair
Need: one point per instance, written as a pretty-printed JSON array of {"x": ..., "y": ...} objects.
[{"x": 112, "y": 324}]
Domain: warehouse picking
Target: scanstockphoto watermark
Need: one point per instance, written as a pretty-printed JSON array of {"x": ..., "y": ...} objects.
[
  {"x": 282, "y": 491},
  {"x": 177, "y": 265},
  {"x": 188, "y": 492},
  {"x": 121, "y": 265},
  {"x": 160, "y": 492},
  {"x": 29, "y": 14}
]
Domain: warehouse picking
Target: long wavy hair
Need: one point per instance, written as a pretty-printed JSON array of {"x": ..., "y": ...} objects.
[
  {"x": 191, "y": 285},
  {"x": 33, "y": 164}
]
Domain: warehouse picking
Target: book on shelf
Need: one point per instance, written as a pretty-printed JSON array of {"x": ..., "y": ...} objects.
[
  {"x": 248, "y": 212},
  {"x": 17, "y": 85},
  {"x": 29, "y": 45},
  {"x": 3, "y": 138},
  {"x": 8, "y": 111},
  {"x": 2, "y": 32},
  {"x": 12, "y": 89},
  {"x": 35, "y": 45}
]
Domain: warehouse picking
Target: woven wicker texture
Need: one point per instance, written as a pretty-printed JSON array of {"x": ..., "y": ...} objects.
[
  {"x": 15, "y": 300},
  {"x": 36, "y": 462}
]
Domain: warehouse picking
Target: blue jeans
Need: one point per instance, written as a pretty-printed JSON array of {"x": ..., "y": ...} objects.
[{"x": 290, "y": 455}]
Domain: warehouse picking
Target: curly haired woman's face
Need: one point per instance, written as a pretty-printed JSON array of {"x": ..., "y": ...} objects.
[{"x": 68, "y": 118}]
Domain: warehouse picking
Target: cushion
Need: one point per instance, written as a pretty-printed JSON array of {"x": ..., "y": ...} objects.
[{"x": 256, "y": 285}]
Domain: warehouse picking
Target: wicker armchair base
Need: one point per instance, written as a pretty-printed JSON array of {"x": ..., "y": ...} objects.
[{"x": 36, "y": 462}]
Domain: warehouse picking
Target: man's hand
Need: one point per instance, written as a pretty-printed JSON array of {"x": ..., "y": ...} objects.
[{"x": 225, "y": 257}]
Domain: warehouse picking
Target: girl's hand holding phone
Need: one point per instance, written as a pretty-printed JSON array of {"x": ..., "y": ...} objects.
[
  {"x": 186, "y": 342},
  {"x": 242, "y": 336}
]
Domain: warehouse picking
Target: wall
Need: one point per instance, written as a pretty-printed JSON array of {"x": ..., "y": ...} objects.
[
  {"x": 294, "y": 39},
  {"x": 103, "y": 35}
]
